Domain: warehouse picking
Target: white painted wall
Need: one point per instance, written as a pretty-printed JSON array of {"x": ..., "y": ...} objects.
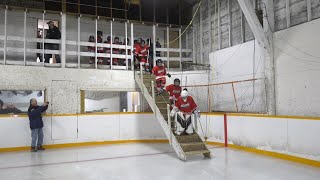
[
  {"x": 63, "y": 129},
  {"x": 297, "y": 62}
]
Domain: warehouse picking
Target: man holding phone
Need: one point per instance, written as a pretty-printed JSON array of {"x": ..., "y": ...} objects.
[{"x": 36, "y": 124}]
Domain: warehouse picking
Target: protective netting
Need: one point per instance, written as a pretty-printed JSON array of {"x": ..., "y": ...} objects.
[{"x": 248, "y": 96}]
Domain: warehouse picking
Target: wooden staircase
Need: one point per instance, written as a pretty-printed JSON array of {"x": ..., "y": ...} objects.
[{"x": 184, "y": 145}]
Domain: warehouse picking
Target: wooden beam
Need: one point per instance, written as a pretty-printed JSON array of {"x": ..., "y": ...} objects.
[
  {"x": 254, "y": 24},
  {"x": 288, "y": 13},
  {"x": 230, "y": 22},
  {"x": 309, "y": 10}
]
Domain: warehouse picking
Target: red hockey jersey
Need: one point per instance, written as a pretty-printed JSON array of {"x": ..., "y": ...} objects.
[
  {"x": 159, "y": 71},
  {"x": 187, "y": 106},
  {"x": 174, "y": 90},
  {"x": 142, "y": 51}
]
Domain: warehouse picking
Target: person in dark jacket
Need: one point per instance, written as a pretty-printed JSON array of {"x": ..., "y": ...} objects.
[
  {"x": 36, "y": 124},
  {"x": 52, "y": 33},
  {"x": 8, "y": 109}
]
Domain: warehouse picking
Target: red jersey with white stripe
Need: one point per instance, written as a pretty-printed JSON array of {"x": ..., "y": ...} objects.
[
  {"x": 142, "y": 51},
  {"x": 159, "y": 71},
  {"x": 174, "y": 90},
  {"x": 187, "y": 106}
]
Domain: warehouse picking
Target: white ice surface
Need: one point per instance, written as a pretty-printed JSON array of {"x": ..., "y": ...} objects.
[{"x": 149, "y": 162}]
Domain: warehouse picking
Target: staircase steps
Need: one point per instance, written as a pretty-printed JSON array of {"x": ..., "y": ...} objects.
[{"x": 184, "y": 145}]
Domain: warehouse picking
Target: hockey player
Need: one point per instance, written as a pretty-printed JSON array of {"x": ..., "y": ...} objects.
[
  {"x": 136, "y": 47},
  {"x": 185, "y": 107},
  {"x": 91, "y": 49},
  {"x": 174, "y": 91},
  {"x": 160, "y": 72},
  {"x": 143, "y": 55}
]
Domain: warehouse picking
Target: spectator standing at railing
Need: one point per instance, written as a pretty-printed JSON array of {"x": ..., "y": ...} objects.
[
  {"x": 158, "y": 45},
  {"x": 36, "y": 124},
  {"x": 91, "y": 49},
  {"x": 52, "y": 33},
  {"x": 8, "y": 109},
  {"x": 100, "y": 49},
  {"x": 108, "y": 50}
]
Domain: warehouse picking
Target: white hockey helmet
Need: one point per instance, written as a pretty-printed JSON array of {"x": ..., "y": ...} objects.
[{"x": 184, "y": 94}]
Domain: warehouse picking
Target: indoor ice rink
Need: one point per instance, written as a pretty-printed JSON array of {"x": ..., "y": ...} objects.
[{"x": 159, "y": 89}]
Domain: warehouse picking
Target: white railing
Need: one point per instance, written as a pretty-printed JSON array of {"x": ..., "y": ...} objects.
[{"x": 64, "y": 43}]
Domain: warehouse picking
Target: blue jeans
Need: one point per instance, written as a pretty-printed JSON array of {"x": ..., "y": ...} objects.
[{"x": 36, "y": 134}]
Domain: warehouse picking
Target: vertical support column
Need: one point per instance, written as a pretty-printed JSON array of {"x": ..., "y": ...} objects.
[
  {"x": 5, "y": 36},
  {"x": 154, "y": 44},
  {"x": 214, "y": 25},
  {"x": 210, "y": 26},
  {"x": 111, "y": 50},
  {"x": 25, "y": 37},
  {"x": 96, "y": 42},
  {"x": 132, "y": 44},
  {"x": 169, "y": 123},
  {"x": 154, "y": 11},
  {"x": 140, "y": 10},
  {"x": 309, "y": 10},
  {"x": 230, "y": 22},
  {"x": 126, "y": 44},
  {"x": 180, "y": 50},
  {"x": 43, "y": 23},
  {"x": 219, "y": 26},
  {"x": 78, "y": 41},
  {"x": 187, "y": 41},
  {"x": 288, "y": 13},
  {"x": 242, "y": 27},
  {"x": 63, "y": 39},
  {"x": 168, "y": 47},
  {"x": 201, "y": 35},
  {"x": 194, "y": 47}
]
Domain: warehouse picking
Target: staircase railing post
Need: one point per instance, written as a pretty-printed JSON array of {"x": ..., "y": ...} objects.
[
  {"x": 153, "y": 97},
  {"x": 141, "y": 72},
  {"x": 195, "y": 121},
  {"x": 169, "y": 123}
]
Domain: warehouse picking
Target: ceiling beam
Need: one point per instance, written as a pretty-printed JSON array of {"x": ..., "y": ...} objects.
[{"x": 254, "y": 24}]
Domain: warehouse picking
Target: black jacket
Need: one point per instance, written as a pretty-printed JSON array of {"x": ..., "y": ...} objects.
[
  {"x": 10, "y": 110},
  {"x": 35, "y": 116},
  {"x": 53, "y": 33}
]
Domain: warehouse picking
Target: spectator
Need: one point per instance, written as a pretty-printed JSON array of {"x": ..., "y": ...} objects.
[
  {"x": 52, "y": 33},
  {"x": 91, "y": 49},
  {"x": 100, "y": 49},
  {"x": 158, "y": 45},
  {"x": 8, "y": 109},
  {"x": 36, "y": 124}
]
